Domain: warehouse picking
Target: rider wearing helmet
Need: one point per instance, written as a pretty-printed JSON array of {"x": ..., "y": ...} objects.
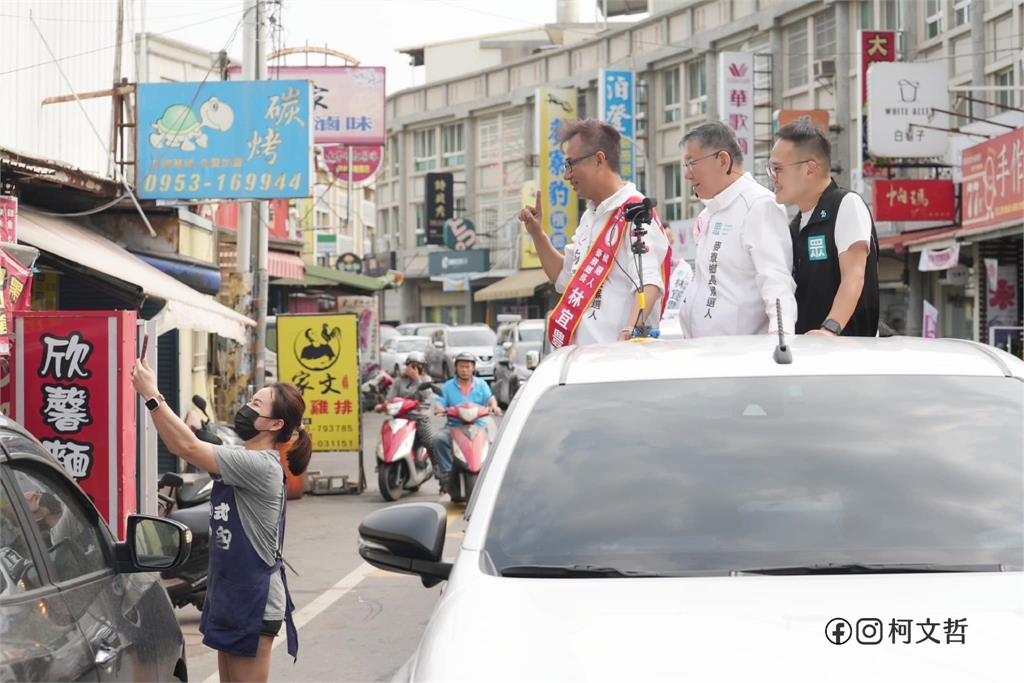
[
  {"x": 408, "y": 386},
  {"x": 462, "y": 389}
]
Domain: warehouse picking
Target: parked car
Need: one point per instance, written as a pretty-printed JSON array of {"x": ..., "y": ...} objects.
[
  {"x": 720, "y": 516},
  {"x": 516, "y": 354},
  {"x": 75, "y": 603},
  {"x": 388, "y": 332},
  {"x": 451, "y": 341},
  {"x": 396, "y": 349},
  {"x": 419, "y": 329}
]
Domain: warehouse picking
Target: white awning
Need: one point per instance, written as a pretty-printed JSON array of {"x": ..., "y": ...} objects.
[{"x": 186, "y": 308}]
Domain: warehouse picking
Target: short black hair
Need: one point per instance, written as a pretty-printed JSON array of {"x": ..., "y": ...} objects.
[
  {"x": 809, "y": 140},
  {"x": 598, "y": 136},
  {"x": 715, "y": 135}
]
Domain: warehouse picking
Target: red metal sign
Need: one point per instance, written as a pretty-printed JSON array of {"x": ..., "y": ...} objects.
[
  {"x": 8, "y": 219},
  {"x": 875, "y": 46},
  {"x": 73, "y": 392},
  {"x": 915, "y": 200},
  {"x": 993, "y": 190},
  {"x": 365, "y": 161}
]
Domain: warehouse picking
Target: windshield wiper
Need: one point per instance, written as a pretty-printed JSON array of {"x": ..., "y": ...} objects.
[
  {"x": 574, "y": 571},
  {"x": 862, "y": 568}
]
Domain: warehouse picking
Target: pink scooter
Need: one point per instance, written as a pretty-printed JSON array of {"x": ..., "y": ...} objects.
[
  {"x": 470, "y": 446},
  {"x": 401, "y": 465}
]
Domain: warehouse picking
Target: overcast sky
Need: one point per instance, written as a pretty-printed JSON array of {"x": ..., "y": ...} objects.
[{"x": 369, "y": 30}]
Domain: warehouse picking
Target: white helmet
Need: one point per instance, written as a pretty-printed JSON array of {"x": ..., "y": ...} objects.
[{"x": 416, "y": 357}]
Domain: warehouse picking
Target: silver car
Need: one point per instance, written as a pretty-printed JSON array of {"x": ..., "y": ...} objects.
[{"x": 451, "y": 341}]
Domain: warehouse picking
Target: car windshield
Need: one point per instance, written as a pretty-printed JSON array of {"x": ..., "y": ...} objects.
[
  {"x": 478, "y": 336},
  {"x": 531, "y": 334},
  {"x": 407, "y": 345},
  {"x": 682, "y": 477}
]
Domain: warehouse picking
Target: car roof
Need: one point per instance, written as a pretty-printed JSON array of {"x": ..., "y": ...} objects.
[
  {"x": 753, "y": 356},
  {"x": 412, "y": 337},
  {"x": 8, "y": 424},
  {"x": 534, "y": 322}
]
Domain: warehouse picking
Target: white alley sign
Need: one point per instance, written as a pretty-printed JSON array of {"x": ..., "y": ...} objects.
[{"x": 902, "y": 116}]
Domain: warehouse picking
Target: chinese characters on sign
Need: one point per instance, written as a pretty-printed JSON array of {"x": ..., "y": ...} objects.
[
  {"x": 554, "y": 107},
  {"x": 736, "y": 97},
  {"x": 439, "y": 204},
  {"x": 8, "y": 219},
  {"x": 364, "y": 161},
  {"x": 875, "y": 46},
  {"x": 903, "y": 110},
  {"x": 225, "y": 140},
  {"x": 348, "y": 102},
  {"x": 77, "y": 400},
  {"x": 617, "y": 105},
  {"x": 319, "y": 354},
  {"x": 915, "y": 200},
  {"x": 993, "y": 186}
]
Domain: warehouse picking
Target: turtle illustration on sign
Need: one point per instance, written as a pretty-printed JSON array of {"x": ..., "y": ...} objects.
[
  {"x": 315, "y": 353},
  {"x": 180, "y": 127}
]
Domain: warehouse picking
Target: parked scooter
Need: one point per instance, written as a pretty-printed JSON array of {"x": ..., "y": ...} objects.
[
  {"x": 401, "y": 464},
  {"x": 211, "y": 432},
  {"x": 188, "y": 502},
  {"x": 471, "y": 445},
  {"x": 374, "y": 388}
]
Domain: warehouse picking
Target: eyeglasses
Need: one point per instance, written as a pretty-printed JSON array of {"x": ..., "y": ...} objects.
[
  {"x": 570, "y": 163},
  {"x": 773, "y": 170},
  {"x": 693, "y": 162}
]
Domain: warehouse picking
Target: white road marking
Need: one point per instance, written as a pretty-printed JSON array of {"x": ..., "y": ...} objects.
[{"x": 317, "y": 606}]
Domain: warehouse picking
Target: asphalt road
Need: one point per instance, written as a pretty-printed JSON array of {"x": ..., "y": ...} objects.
[{"x": 356, "y": 623}]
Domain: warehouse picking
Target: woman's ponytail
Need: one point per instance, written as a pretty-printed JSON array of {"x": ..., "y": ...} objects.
[{"x": 290, "y": 407}]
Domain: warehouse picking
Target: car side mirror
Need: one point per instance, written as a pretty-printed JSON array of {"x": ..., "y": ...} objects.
[
  {"x": 407, "y": 539},
  {"x": 438, "y": 344},
  {"x": 153, "y": 544},
  {"x": 506, "y": 345},
  {"x": 532, "y": 360}
]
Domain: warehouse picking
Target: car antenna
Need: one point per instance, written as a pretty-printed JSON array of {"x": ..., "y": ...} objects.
[{"x": 782, "y": 354}]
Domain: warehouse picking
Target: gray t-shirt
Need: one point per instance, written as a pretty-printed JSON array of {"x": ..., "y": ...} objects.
[{"x": 259, "y": 495}]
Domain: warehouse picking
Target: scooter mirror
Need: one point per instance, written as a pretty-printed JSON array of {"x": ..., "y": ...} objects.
[{"x": 199, "y": 402}]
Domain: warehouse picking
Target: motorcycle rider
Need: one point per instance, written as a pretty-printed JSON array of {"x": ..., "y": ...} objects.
[
  {"x": 462, "y": 389},
  {"x": 408, "y": 386}
]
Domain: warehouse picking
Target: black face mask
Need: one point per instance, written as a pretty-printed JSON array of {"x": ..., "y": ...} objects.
[{"x": 245, "y": 423}]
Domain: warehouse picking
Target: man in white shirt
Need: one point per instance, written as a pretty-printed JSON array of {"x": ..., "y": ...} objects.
[
  {"x": 835, "y": 247},
  {"x": 744, "y": 254},
  {"x": 598, "y": 275}
]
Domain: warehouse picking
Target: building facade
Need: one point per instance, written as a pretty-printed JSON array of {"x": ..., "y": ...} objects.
[{"x": 480, "y": 125}]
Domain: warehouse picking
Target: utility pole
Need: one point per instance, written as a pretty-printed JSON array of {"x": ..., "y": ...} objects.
[
  {"x": 116, "y": 99},
  {"x": 253, "y": 218}
]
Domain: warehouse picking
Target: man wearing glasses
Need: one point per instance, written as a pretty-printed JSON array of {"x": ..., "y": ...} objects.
[
  {"x": 835, "y": 247},
  {"x": 607, "y": 290},
  {"x": 744, "y": 254}
]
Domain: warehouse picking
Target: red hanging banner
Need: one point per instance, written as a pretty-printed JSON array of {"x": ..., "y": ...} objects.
[{"x": 73, "y": 392}]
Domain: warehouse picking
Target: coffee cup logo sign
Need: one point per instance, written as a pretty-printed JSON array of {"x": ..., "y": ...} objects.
[{"x": 350, "y": 263}]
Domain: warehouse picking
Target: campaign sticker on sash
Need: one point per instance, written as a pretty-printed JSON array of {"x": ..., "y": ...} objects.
[{"x": 816, "y": 248}]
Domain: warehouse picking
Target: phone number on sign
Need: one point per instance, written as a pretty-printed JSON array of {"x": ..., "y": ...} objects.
[{"x": 234, "y": 182}]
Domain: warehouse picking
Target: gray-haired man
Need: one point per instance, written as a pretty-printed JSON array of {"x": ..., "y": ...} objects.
[{"x": 744, "y": 256}]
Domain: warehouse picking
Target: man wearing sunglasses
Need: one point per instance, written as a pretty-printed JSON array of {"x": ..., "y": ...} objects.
[
  {"x": 835, "y": 247},
  {"x": 607, "y": 290},
  {"x": 744, "y": 255}
]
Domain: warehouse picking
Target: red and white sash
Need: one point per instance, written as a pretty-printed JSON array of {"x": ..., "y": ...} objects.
[{"x": 588, "y": 279}]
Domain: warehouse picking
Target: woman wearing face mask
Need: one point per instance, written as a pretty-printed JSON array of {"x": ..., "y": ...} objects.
[{"x": 247, "y": 594}]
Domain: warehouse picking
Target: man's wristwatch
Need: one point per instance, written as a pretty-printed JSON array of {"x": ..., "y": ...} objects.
[
  {"x": 832, "y": 326},
  {"x": 153, "y": 403}
]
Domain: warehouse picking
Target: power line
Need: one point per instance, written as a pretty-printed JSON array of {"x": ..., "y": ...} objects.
[
  {"x": 104, "y": 20},
  {"x": 114, "y": 46}
]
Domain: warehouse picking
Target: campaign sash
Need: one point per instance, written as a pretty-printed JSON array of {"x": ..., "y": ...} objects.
[{"x": 588, "y": 279}]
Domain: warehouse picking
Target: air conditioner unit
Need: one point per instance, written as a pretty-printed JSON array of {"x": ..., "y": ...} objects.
[{"x": 824, "y": 69}]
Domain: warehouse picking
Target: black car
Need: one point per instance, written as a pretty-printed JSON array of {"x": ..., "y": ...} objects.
[{"x": 73, "y": 603}]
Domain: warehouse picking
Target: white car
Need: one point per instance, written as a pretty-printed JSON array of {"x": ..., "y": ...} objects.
[
  {"x": 396, "y": 350},
  {"x": 670, "y": 511}
]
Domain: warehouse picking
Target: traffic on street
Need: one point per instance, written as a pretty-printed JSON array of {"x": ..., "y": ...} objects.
[{"x": 435, "y": 342}]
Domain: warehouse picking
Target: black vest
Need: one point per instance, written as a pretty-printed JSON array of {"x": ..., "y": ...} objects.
[{"x": 817, "y": 274}]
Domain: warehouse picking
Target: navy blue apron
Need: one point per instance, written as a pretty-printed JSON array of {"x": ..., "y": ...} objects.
[{"x": 238, "y": 582}]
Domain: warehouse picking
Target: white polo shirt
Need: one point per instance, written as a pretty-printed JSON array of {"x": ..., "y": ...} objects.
[{"x": 609, "y": 313}]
